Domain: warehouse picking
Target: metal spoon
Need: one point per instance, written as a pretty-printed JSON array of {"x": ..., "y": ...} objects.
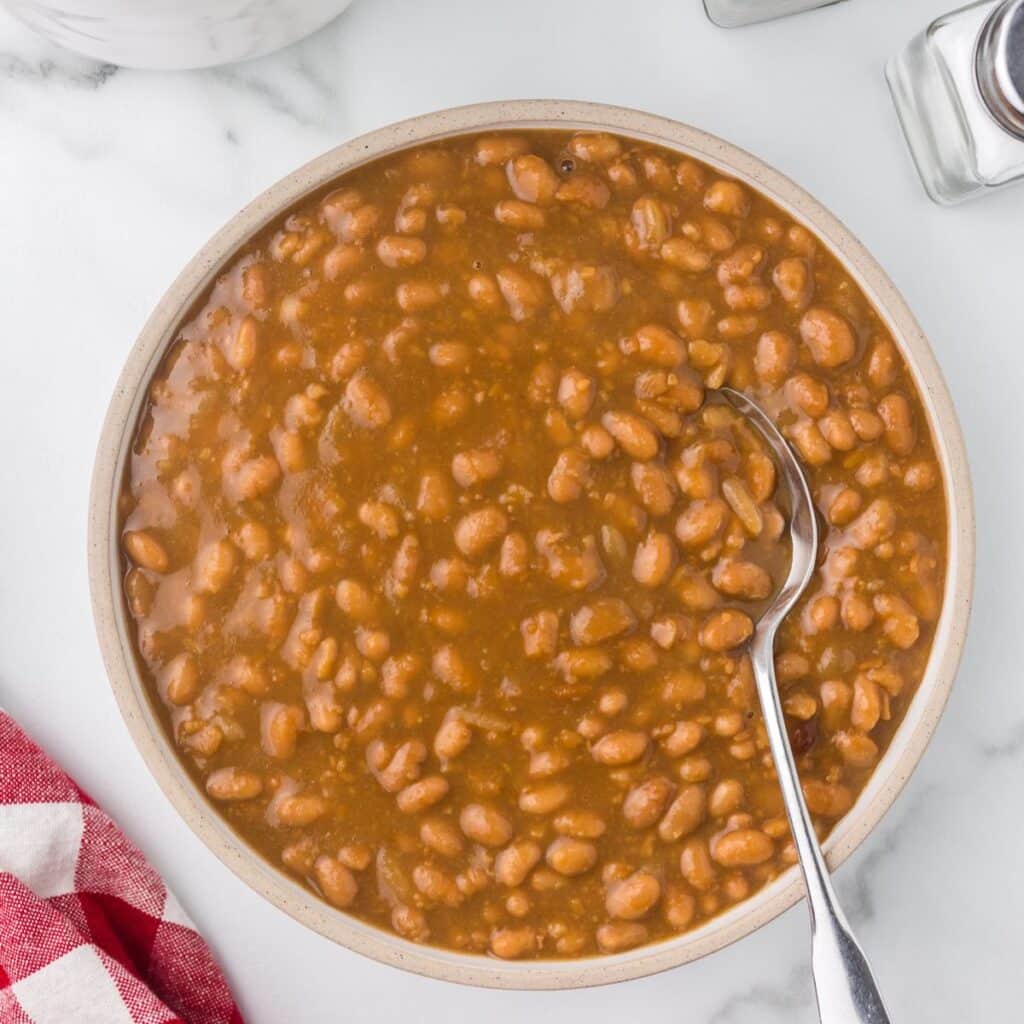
[{"x": 843, "y": 982}]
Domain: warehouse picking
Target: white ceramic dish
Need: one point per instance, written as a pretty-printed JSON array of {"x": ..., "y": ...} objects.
[
  {"x": 907, "y": 745},
  {"x": 176, "y": 34}
]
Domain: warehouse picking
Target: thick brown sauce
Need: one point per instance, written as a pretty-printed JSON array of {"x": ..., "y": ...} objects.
[{"x": 442, "y": 566}]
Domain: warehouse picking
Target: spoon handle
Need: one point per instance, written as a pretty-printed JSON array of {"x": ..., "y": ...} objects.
[{"x": 843, "y": 982}]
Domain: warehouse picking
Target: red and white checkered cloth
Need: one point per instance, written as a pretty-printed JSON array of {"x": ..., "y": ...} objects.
[{"x": 89, "y": 933}]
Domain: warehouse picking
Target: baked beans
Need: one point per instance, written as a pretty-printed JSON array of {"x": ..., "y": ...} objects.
[{"x": 443, "y": 556}]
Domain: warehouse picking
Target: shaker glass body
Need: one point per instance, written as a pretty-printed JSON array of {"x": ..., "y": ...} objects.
[{"x": 959, "y": 148}]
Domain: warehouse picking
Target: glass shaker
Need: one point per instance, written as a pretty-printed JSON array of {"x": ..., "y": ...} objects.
[
  {"x": 959, "y": 92},
  {"x": 734, "y": 13}
]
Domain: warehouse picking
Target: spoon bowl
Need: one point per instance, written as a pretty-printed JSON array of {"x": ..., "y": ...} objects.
[{"x": 844, "y": 985}]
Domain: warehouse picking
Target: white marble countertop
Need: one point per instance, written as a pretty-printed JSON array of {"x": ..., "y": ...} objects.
[{"x": 110, "y": 179}]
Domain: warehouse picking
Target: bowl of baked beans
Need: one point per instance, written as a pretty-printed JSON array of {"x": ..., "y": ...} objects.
[{"x": 424, "y": 557}]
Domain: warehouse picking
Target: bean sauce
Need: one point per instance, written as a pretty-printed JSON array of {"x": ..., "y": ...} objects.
[{"x": 443, "y": 556}]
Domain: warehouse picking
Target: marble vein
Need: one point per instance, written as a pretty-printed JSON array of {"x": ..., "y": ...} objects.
[
  {"x": 264, "y": 92},
  {"x": 856, "y": 892},
  {"x": 74, "y": 72},
  {"x": 795, "y": 994},
  {"x": 1009, "y": 747}
]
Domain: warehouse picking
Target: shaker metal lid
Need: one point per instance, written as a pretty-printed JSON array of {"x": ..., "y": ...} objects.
[{"x": 999, "y": 65}]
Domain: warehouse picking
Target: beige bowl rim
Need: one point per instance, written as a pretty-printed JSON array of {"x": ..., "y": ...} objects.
[{"x": 908, "y": 743}]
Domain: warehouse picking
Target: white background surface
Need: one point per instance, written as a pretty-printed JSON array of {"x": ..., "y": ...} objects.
[{"x": 109, "y": 180}]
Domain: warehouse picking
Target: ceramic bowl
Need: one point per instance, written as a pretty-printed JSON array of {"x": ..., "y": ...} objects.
[
  {"x": 174, "y": 34},
  {"x": 893, "y": 770}
]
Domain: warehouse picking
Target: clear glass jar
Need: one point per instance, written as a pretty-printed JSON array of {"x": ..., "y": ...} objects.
[
  {"x": 959, "y": 92},
  {"x": 734, "y": 13}
]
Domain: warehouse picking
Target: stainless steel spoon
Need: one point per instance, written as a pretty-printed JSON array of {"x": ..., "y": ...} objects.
[{"x": 843, "y": 982}]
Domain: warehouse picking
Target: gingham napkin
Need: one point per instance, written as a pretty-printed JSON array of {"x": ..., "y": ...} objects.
[{"x": 89, "y": 933}]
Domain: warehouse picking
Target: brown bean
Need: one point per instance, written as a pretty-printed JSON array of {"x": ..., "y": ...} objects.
[
  {"x": 633, "y": 434},
  {"x": 475, "y": 466},
  {"x": 580, "y": 824},
  {"x": 401, "y": 251},
  {"x": 684, "y": 815},
  {"x": 523, "y": 292},
  {"x": 685, "y": 254},
  {"x": 701, "y": 521},
  {"x": 595, "y": 147},
  {"x": 491, "y": 150},
  {"x": 634, "y": 897},
  {"x": 422, "y": 794},
  {"x": 241, "y": 348},
  {"x": 900, "y": 624},
  {"x": 181, "y": 679},
  {"x": 410, "y": 923},
  {"x": 451, "y": 667},
  {"x": 649, "y": 221},
  {"x": 620, "y": 747},
  {"x": 775, "y": 356},
  {"x": 514, "y": 213},
  {"x": 684, "y": 738},
  {"x": 656, "y": 345},
  {"x": 741, "y": 579},
  {"x": 725, "y": 630},
  {"x": 540, "y": 635},
  {"x": 544, "y": 798},
  {"x": 898, "y": 417},
  {"x": 695, "y": 864},
  {"x": 856, "y": 749},
  {"x": 654, "y": 560},
  {"x": 356, "y": 601},
  {"x": 514, "y": 560},
  {"x": 743, "y": 847},
  {"x": 678, "y": 907},
  {"x": 419, "y": 296},
  {"x": 655, "y": 486},
  {"x": 827, "y": 799},
  {"x": 514, "y": 942},
  {"x": 645, "y": 802},
  {"x": 570, "y": 476},
  {"x": 792, "y": 277},
  {"x": 279, "y": 729},
  {"x": 571, "y": 857},
  {"x": 808, "y": 394},
  {"x": 728, "y": 198},
  {"x": 532, "y": 179},
  {"x": 336, "y": 882},
  {"x": 146, "y": 551},
  {"x": 810, "y": 442},
  {"x": 683, "y": 686},
  {"x": 434, "y": 500},
  {"x": 618, "y": 936},
  {"x": 477, "y": 531},
  {"x": 365, "y": 402},
  {"x": 600, "y": 620},
  {"x": 403, "y": 767},
  {"x": 232, "y": 784},
  {"x": 515, "y": 862},
  {"x": 828, "y": 336},
  {"x": 873, "y": 525},
  {"x": 866, "y": 709},
  {"x": 726, "y": 798},
  {"x": 295, "y": 810},
  {"x": 586, "y": 189},
  {"x": 441, "y": 836},
  {"x": 576, "y": 393},
  {"x": 485, "y": 824},
  {"x": 436, "y": 885}
]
